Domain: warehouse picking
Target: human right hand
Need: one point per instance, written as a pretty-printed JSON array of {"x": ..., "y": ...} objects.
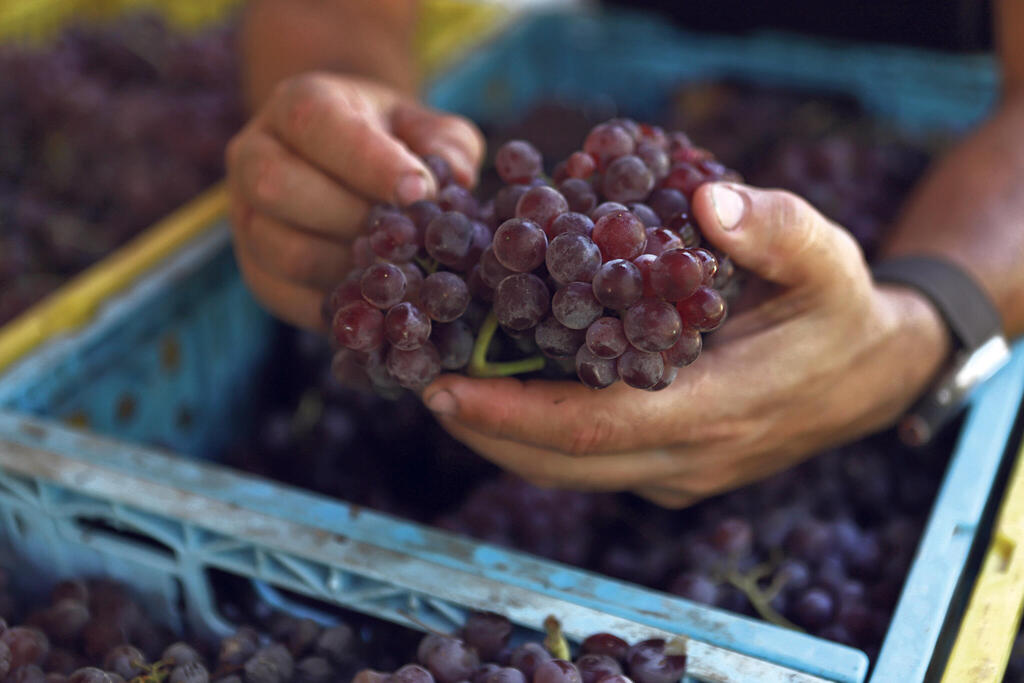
[{"x": 305, "y": 170}]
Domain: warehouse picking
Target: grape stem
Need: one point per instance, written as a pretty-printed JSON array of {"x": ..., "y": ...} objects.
[
  {"x": 759, "y": 598},
  {"x": 479, "y": 366},
  {"x": 428, "y": 265},
  {"x": 555, "y": 641}
]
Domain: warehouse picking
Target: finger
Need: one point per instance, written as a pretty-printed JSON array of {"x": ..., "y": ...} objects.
[
  {"x": 569, "y": 418},
  {"x": 667, "y": 498},
  {"x": 295, "y": 255},
  {"x": 342, "y": 130},
  {"x": 453, "y": 138},
  {"x": 292, "y": 303},
  {"x": 548, "y": 468},
  {"x": 777, "y": 235},
  {"x": 279, "y": 183}
]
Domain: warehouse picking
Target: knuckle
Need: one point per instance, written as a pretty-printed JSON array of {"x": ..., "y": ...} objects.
[
  {"x": 305, "y": 103},
  {"x": 266, "y": 181}
]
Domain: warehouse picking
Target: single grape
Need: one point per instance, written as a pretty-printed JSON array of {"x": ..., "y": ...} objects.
[
  {"x": 189, "y": 673},
  {"x": 593, "y": 371},
  {"x": 444, "y": 296},
  {"x": 579, "y": 195},
  {"x": 627, "y": 179},
  {"x": 607, "y": 142},
  {"x": 605, "y": 208},
  {"x": 655, "y": 157},
  {"x": 704, "y": 310},
  {"x": 413, "y": 281},
  {"x": 439, "y": 168},
  {"x": 686, "y": 349},
  {"x": 411, "y": 673},
  {"x": 394, "y": 238},
  {"x": 527, "y": 657},
  {"x": 619, "y": 235},
  {"x": 814, "y": 608},
  {"x": 179, "y": 654},
  {"x": 575, "y": 306},
  {"x": 644, "y": 263},
  {"x": 640, "y": 369},
  {"x": 448, "y": 238},
  {"x": 573, "y": 258},
  {"x": 684, "y": 177},
  {"x": 64, "y": 620},
  {"x": 733, "y": 537},
  {"x": 506, "y": 674},
  {"x": 457, "y": 198},
  {"x": 520, "y": 245},
  {"x": 648, "y": 662},
  {"x": 618, "y": 284},
  {"x": 660, "y": 240},
  {"x": 676, "y": 274},
  {"x": 556, "y": 671},
  {"x": 572, "y": 222},
  {"x": 645, "y": 214},
  {"x": 627, "y": 124},
  {"x": 606, "y": 338},
  {"x": 594, "y": 667},
  {"x": 521, "y": 301},
  {"x": 126, "y": 661},
  {"x": 541, "y": 205},
  {"x": 383, "y": 285},
  {"x": 517, "y": 161},
  {"x": 580, "y": 165},
  {"x": 559, "y": 173},
  {"x": 454, "y": 342},
  {"x": 487, "y": 632},
  {"x": 696, "y": 587},
  {"x": 414, "y": 369},
  {"x": 506, "y": 200},
  {"x": 406, "y": 327},
  {"x": 376, "y": 212},
  {"x": 652, "y": 325},
  {"x": 667, "y": 202},
  {"x": 359, "y": 326},
  {"x": 451, "y": 660},
  {"x": 237, "y": 648},
  {"x": 555, "y": 340},
  {"x": 809, "y": 540},
  {"x": 708, "y": 263}
]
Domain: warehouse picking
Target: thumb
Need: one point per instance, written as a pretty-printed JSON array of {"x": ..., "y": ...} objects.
[
  {"x": 453, "y": 138},
  {"x": 775, "y": 234}
]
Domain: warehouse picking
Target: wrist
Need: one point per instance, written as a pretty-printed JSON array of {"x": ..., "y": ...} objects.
[{"x": 917, "y": 339}]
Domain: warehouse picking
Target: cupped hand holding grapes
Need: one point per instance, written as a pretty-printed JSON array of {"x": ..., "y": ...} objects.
[
  {"x": 306, "y": 169},
  {"x": 824, "y": 355}
]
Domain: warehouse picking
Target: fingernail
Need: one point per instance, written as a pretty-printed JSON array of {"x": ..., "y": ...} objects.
[
  {"x": 728, "y": 205},
  {"x": 442, "y": 403},
  {"x": 411, "y": 187}
]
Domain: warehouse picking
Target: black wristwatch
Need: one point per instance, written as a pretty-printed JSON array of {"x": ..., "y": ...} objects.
[{"x": 980, "y": 348}]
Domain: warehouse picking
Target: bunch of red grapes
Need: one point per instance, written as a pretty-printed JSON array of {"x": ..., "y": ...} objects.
[{"x": 600, "y": 268}]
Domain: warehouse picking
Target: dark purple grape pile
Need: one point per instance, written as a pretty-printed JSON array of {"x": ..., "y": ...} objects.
[
  {"x": 601, "y": 269},
  {"x": 481, "y": 654},
  {"x": 102, "y": 132},
  {"x": 93, "y": 631}
]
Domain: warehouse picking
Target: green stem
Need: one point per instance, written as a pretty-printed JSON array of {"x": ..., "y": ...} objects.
[
  {"x": 428, "y": 265},
  {"x": 479, "y": 366}
]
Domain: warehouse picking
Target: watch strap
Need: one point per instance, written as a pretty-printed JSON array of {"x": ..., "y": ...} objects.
[{"x": 960, "y": 300}]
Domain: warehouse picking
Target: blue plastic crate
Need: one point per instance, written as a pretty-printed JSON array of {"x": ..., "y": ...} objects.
[{"x": 172, "y": 363}]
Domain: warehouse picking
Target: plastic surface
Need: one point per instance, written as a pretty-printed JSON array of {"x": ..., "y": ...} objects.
[{"x": 170, "y": 363}]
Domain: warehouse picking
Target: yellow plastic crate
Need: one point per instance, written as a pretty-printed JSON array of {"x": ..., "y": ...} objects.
[
  {"x": 982, "y": 647},
  {"x": 446, "y": 28}
]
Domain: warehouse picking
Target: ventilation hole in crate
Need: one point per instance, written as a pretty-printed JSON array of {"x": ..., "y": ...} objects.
[
  {"x": 77, "y": 419},
  {"x": 184, "y": 419},
  {"x": 170, "y": 354},
  {"x": 126, "y": 406},
  {"x": 100, "y": 528}
]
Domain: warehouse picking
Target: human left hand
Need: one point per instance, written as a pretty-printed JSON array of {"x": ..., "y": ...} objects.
[{"x": 828, "y": 357}]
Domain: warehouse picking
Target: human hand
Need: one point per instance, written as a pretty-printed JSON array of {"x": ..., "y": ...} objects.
[
  {"x": 826, "y": 357},
  {"x": 305, "y": 170}
]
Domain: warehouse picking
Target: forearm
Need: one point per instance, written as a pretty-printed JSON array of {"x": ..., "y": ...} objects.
[
  {"x": 970, "y": 209},
  {"x": 281, "y": 38}
]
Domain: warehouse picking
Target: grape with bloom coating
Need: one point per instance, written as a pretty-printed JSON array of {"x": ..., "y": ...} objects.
[
  {"x": 416, "y": 368},
  {"x": 491, "y": 270},
  {"x": 607, "y": 142},
  {"x": 579, "y": 195},
  {"x": 575, "y": 306},
  {"x": 640, "y": 369},
  {"x": 555, "y": 340},
  {"x": 668, "y": 202},
  {"x": 580, "y": 165},
  {"x": 573, "y": 258},
  {"x": 705, "y": 310},
  {"x": 394, "y": 237},
  {"x": 448, "y": 238},
  {"x": 444, "y": 296},
  {"x": 454, "y": 342},
  {"x": 521, "y": 301},
  {"x": 358, "y": 326},
  {"x": 517, "y": 161},
  {"x": 383, "y": 285},
  {"x": 652, "y": 325},
  {"x": 520, "y": 245},
  {"x": 557, "y": 671},
  {"x": 627, "y": 179},
  {"x": 606, "y": 338},
  {"x": 618, "y": 284},
  {"x": 605, "y": 208},
  {"x": 573, "y": 222},
  {"x": 541, "y": 205},
  {"x": 676, "y": 274},
  {"x": 686, "y": 349},
  {"x": 595, "y": 372},
  {"x": 406, "y": 327},
  {"x": 619, "y": 235}
]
